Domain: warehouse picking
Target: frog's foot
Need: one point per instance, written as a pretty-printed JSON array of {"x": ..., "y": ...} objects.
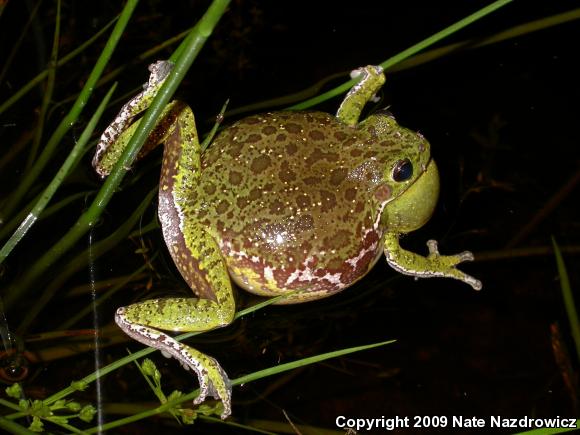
[
  {"x": 368, "y": 72},
  {"x": 213, "y": 380},
  {"x": 445, "y": 264},
  {"x": 371, "y": 80}
]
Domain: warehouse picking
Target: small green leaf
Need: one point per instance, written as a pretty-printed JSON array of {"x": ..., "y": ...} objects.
[
  {"x": 14, "y": 391},
  {"x": 148, "y": 367},
  {"x": 79, "y": 385},
  {"x": 188, "y": 415},
  {"x": 87, "y": 413},
  {"x": 40, "y": 409},
  {"x": 36, "y": 425},
  {"x": 73, "y": 406},
  {"x": 206, "y": 409},
  {"x": 59, "y": 404},
  {"x": 176, "y": 394},
  {"x": 59, "y": 419}
]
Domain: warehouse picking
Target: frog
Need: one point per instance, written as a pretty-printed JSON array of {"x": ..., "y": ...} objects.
[{"x": 300, "y": 204}]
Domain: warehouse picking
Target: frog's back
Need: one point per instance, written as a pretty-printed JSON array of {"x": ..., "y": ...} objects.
[{"x": 288, "y": 197}]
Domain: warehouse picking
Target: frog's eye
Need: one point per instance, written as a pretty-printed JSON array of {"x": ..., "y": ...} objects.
[{"x": 403, "y": 170}]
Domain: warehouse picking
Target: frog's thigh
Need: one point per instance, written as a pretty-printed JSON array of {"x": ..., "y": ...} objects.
[
  {"x": 199, "y": 259},
  {"x": 194, "y": 251}
]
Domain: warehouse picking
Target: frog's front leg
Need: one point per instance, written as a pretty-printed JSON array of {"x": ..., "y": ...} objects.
[{"x": 434, "y": 265}]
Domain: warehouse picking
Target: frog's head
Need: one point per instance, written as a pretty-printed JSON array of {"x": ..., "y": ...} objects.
[{"x": 410, "y": 181}]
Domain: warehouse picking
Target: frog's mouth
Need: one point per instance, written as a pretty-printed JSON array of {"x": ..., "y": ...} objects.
[{"x": 413, "y": 208}]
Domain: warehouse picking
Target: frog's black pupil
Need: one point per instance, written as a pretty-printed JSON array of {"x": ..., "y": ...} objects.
[{"x": 403, "y": 170}]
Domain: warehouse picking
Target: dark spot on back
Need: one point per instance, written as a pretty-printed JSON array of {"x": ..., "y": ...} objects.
[
  {"x": 310, "y": 181},
  {"x": 316, "y": 135},
  {"x": 293, "y": 128},
  {"x": 234, "y": 149},
  {"x": 286, "y": 174},
  {"x": 222, "y": 207},
  {"x": 291, "y": 148},
  {"x": 350, "y": 194},
  {"x": 209, "y": 189},
  {"x": 260, "y": 163},
  {"x": 303, "y": 201},
  {"x": 253, "y": 138},
  {"x": 269, "y": 130},
  {"x": 328, "y": 200},
  {"x": 235, "y": 178},
  {"x": 255, "y": 193},
  {"x": 317, "y": 154},
  {"x": 338, "y": 175},
  {"x": 277, "y": 207}
]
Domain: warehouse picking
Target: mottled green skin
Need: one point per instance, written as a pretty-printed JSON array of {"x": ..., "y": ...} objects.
[
  {"x": 294, "y": 198},
  {"x": 280, "y": 202}
]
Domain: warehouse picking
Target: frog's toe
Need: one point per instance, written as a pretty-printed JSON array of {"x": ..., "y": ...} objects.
[
  {"x": 465, "y": 256},
  {"x": 455, "y": 259},
  {"x": 219, "y": 389},
  {"x": 214, "y": 382},
  {"x": 433, "y": 248},
  {"x": 473, "y": 282}
]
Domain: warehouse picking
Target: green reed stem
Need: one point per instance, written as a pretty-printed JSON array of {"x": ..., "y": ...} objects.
[
  {"x": 406, "y": 53},
  {"x": 71, "y": 117}
]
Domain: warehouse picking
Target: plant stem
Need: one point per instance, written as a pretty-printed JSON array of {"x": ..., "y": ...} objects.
[{"x": 71, "y": 117}]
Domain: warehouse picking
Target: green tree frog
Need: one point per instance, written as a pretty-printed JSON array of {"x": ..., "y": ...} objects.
[{"x": 299, "y": 203}]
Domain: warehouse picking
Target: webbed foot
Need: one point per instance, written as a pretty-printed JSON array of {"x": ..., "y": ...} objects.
[{"x": 446, "y": 264}]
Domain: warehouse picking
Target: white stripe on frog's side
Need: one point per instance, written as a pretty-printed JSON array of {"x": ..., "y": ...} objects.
[
  {"x": 373, "y": 247},
  {"x": 307, "y": 274},
  {"x": 353, "y": 262},
  {"x": 269, "y": 273}
]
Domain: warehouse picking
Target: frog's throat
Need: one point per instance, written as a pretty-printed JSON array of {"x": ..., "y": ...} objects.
[{"x": 412, "y": 208}]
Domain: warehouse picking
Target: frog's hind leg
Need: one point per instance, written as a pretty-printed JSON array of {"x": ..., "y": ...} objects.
[
  {"x": 141, "y": 320},
  {"x": 116, "y": 136},
  {"x": 199, "y": 260},
  {"x": 371, "y": 80},
  {"x": 195, "y": 252}
]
